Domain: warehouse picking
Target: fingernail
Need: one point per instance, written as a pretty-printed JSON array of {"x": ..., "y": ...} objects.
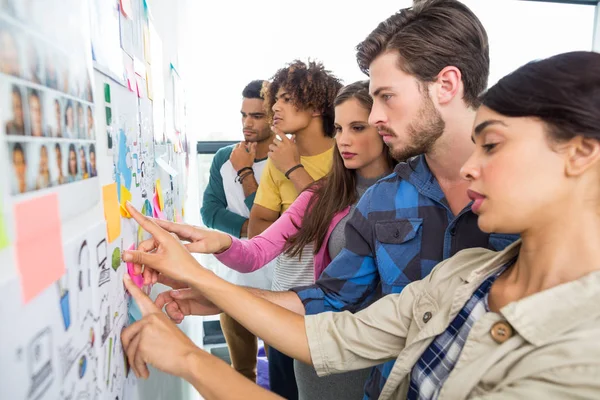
[
  {"x": 127, "y": 257},
  {"x": 128, "y": 202},
  {"x": 175, "y": 292},
  {"x": 126, "y": 277}
]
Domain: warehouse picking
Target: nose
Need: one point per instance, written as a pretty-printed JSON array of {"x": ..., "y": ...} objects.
[
  {"x": 470, "y": 170},
  {"x": 343, "y": 138},
  {"x": 377, "y": 116},
  {"x": 247, "y": 121},
  {"x": 276, "y": 106}
]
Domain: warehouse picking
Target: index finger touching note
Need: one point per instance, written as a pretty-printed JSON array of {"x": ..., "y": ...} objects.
[{"x": 145, "y": 304}]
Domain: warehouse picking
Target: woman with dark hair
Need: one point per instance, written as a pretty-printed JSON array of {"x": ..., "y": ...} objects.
[
  {"x": 93, "y": 170},
  {"x": 20, "y": 167},
  {"x": 520, "y": 323},
  {"x": 72, "y": 164}
]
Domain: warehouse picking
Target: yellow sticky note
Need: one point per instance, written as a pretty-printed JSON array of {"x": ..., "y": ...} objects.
[
  {"x": 125, "y": 197},
  {"x": 4, "y": 242},
  {"x": 111, "y": 211},
  {"x": 161, "y": 203}
]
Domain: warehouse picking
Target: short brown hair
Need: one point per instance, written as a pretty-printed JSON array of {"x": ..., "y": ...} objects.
[
  {"x": 430, "y": 36},
  {"x": 309, "y": 85}
]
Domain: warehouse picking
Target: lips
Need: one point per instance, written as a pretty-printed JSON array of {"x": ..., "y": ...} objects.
[
  {"x": 477, "y": 199},
  {"x": 347, "y": 155},
  {"x": 277, "y": 120}
]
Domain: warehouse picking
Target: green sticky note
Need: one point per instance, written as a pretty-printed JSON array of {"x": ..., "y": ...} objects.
[
  {"x": 4, "y": 242},
  {"x": 107, "y": 93},
  {"x": 108, "y": 116}
]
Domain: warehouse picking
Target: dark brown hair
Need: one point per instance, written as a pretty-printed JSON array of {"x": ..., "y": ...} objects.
[
  {"x": 563, "y": 91},
  {"x": 309, "y": 86},
  {"x": 336, "y": 190},
  {"x": 430, "y": 36}
]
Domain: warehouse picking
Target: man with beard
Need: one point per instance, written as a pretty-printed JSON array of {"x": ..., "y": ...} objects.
[{"x": 234, "y": 177}]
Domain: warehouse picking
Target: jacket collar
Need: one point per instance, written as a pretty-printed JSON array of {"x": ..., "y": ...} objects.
[{"x": 545, "y": 315}]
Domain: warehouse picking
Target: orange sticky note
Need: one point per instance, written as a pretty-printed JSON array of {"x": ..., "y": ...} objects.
[
  {"x": 112, "y": 212},
  {"x": 38, "y": 244},
  {"x": 125, "y": 197}
]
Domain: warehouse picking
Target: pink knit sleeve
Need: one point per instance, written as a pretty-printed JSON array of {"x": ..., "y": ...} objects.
[{"x": 250, "y": 255}]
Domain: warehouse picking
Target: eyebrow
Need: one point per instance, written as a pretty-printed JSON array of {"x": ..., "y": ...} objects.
[
  {"x": 281, "y": 95},
  {"x": 479, "y": 128},
  {"x": 381, "y": 89},
  {"x": 255, "y": 114}
]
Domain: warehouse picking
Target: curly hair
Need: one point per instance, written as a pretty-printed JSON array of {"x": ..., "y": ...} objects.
[{"x": 309, "y": 86}]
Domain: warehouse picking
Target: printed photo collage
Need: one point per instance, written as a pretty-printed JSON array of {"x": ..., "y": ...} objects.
[{"x": 46, "y": 111}]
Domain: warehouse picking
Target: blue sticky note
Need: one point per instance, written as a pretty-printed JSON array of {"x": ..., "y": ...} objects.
[{"x": 134, "y": 312}]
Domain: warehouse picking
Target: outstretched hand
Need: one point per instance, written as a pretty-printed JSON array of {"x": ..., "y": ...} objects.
[
  {"x": 201, "y": 240},
  {"x": 163, "y": 253},
  {"x": 154, "y": 339}
]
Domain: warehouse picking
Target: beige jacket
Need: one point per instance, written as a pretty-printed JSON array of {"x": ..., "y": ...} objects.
[{"x": 552, "y": 353}]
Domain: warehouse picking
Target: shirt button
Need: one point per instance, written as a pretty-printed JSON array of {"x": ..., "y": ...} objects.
[
  {"x": 501, "y": 331},
  {"x": 397, "y": 234},
  {"x": 426, "y": 317}
]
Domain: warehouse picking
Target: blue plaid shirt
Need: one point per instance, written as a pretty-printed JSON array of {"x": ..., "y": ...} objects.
[
  {"x": 438, "y": 360},
  {"x": 401, "y": 228}
]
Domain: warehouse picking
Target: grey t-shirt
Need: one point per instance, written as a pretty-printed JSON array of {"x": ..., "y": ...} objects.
[{"x": 338, "y": 239}]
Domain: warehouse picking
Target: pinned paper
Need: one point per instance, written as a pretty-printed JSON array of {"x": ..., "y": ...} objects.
[
  {"x": 137, "y": 279},
  {"x": 4, "y": 241},
  {"x": 111, "y": 211},
  {"x": 165, "y": 166},
  {"x": 125, "y": 197},
  {"x": 160, "y": 203},
  {"x": 39, "y": 247}
]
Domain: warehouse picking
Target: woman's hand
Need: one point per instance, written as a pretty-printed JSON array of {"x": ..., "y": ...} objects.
[
  {"x": 154, "y": 339},
  {"x": 163, "y": 253},
  {"x": 206, "y": 241},
  {"x": 183, "y": 301}
]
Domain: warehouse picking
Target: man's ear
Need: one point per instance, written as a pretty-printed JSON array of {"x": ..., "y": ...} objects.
[{"x": 448, "y": 84}]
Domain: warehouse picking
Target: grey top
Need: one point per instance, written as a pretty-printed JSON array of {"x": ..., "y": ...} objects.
[{"x": 337, "y": 239}]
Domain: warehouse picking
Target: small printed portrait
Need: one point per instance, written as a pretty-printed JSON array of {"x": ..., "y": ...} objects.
[
  {"x": 72, "y": 164},
  {"x": 91, "y": 134},
  {"x": 54, "y": 116},
  {"x": 36, "y": 120},
  {"x": 81, "y": 132},
  {"x": 59, "y": 164},
  {"x": 19, "y": 159},
  {"x": 10, "y": 58},
  {"x": 52, "y": 78},
  {"x": 16, "y": 125},
  {"x": 43, "y": 179},
  {"x": 34, "y": 62},
  {"x": 93, "y": 169},
  {"x": 83, "y": 163},
  {"x": 70, "y": 131}
]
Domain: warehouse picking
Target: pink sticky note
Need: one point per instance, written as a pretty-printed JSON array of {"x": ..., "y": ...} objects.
[
  {"x": 137, "y": 279},
  {"x": 156, "y": 211},
  {"x": 38, "y": 243}
]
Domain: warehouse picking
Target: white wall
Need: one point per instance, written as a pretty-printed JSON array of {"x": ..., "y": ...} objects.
[{"x": 234, "y": 42}]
